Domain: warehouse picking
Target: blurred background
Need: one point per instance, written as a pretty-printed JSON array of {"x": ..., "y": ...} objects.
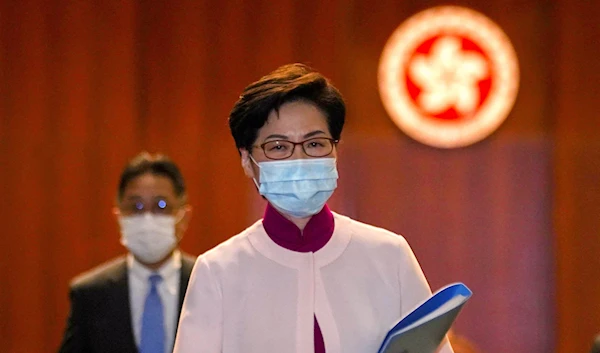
[{"x": 86, "y": 85}]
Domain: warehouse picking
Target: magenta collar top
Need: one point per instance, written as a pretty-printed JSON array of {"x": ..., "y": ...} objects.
[{"x": 286, "y": 234}]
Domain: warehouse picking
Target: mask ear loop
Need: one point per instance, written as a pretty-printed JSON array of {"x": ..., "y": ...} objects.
[
  {"x": 253, "y": 160},
  {"x": 253, "y": 178}
]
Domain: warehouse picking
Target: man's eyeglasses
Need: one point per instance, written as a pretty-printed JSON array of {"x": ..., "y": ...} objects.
[
  {"x": 138, "y": 207},
  {"x": 314, "y": 147}
]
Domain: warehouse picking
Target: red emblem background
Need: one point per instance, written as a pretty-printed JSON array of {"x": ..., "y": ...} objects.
[{"x": 497, "y": 91}]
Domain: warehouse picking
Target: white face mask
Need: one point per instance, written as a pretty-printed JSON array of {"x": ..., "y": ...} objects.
[{"x": 149, "y": 237}]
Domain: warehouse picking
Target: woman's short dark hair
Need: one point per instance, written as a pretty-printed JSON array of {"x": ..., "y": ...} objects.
[
  {"x": 288, "y": 83},
  {"x": 155, "y": 164}
]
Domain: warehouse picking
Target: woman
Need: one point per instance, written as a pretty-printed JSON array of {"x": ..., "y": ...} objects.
[{"x": 302, "y": 279}]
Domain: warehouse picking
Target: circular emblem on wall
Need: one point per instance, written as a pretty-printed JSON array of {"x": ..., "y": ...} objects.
[{"x": 448, "y": 76}]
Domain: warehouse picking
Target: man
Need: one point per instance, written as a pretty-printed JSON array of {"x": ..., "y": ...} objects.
[
  {"x": 461, "y": 344},
  {"x": 596, "y": 345},
  {"x": 302, "y": 279},
  {"x": 132, "y": 303}
]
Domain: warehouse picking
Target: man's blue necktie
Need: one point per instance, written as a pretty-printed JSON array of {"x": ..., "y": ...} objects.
[{"x": 153, "y": 331}]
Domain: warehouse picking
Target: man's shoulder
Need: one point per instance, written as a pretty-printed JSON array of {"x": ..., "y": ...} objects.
[
  {"x": 187, "y": 264},
  {"x": 99, "y": 276},
  {"x": 188, "y": 259}
]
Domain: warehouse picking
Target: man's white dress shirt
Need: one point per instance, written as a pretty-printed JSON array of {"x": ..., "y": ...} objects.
[{"x": 168, "y": 289}]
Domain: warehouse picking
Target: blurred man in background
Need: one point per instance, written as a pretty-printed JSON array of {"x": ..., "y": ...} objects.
[
  {"x": 461, "y": 344},
  {"x": 132, "y": 303},
  {"x": 596, "y": 345}
]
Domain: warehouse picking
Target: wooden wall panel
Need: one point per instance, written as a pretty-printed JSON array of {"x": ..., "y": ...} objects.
[
  {"x": 24, "y": 186},
  {"x": 479, "y": 214},
  {"x": 577, "y": 171}
]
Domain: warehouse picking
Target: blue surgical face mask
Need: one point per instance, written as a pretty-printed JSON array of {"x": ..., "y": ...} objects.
[{"x": 298, "y": 187}]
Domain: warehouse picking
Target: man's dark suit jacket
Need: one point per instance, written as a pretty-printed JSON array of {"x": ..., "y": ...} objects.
[{"x": 100, "y": 317}]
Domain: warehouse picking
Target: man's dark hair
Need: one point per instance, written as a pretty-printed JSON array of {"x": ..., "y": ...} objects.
[
  {"x": 155, "y": 164},
  {"x": 288, "y": 83}
]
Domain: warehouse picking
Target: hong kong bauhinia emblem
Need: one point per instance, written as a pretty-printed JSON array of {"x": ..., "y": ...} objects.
[{"x": 448, "y": 76}]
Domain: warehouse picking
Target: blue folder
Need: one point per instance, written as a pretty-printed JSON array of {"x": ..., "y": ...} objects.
[{"x": 423, "y": 329}]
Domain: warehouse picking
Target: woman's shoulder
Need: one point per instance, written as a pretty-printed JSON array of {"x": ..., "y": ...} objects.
[
  {"x": 234, "y": 247},
  {"x": 367, "y": 233}
]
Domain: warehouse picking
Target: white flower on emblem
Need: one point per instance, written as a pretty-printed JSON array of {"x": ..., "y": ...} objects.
[{"x": 448, "y": 77}]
